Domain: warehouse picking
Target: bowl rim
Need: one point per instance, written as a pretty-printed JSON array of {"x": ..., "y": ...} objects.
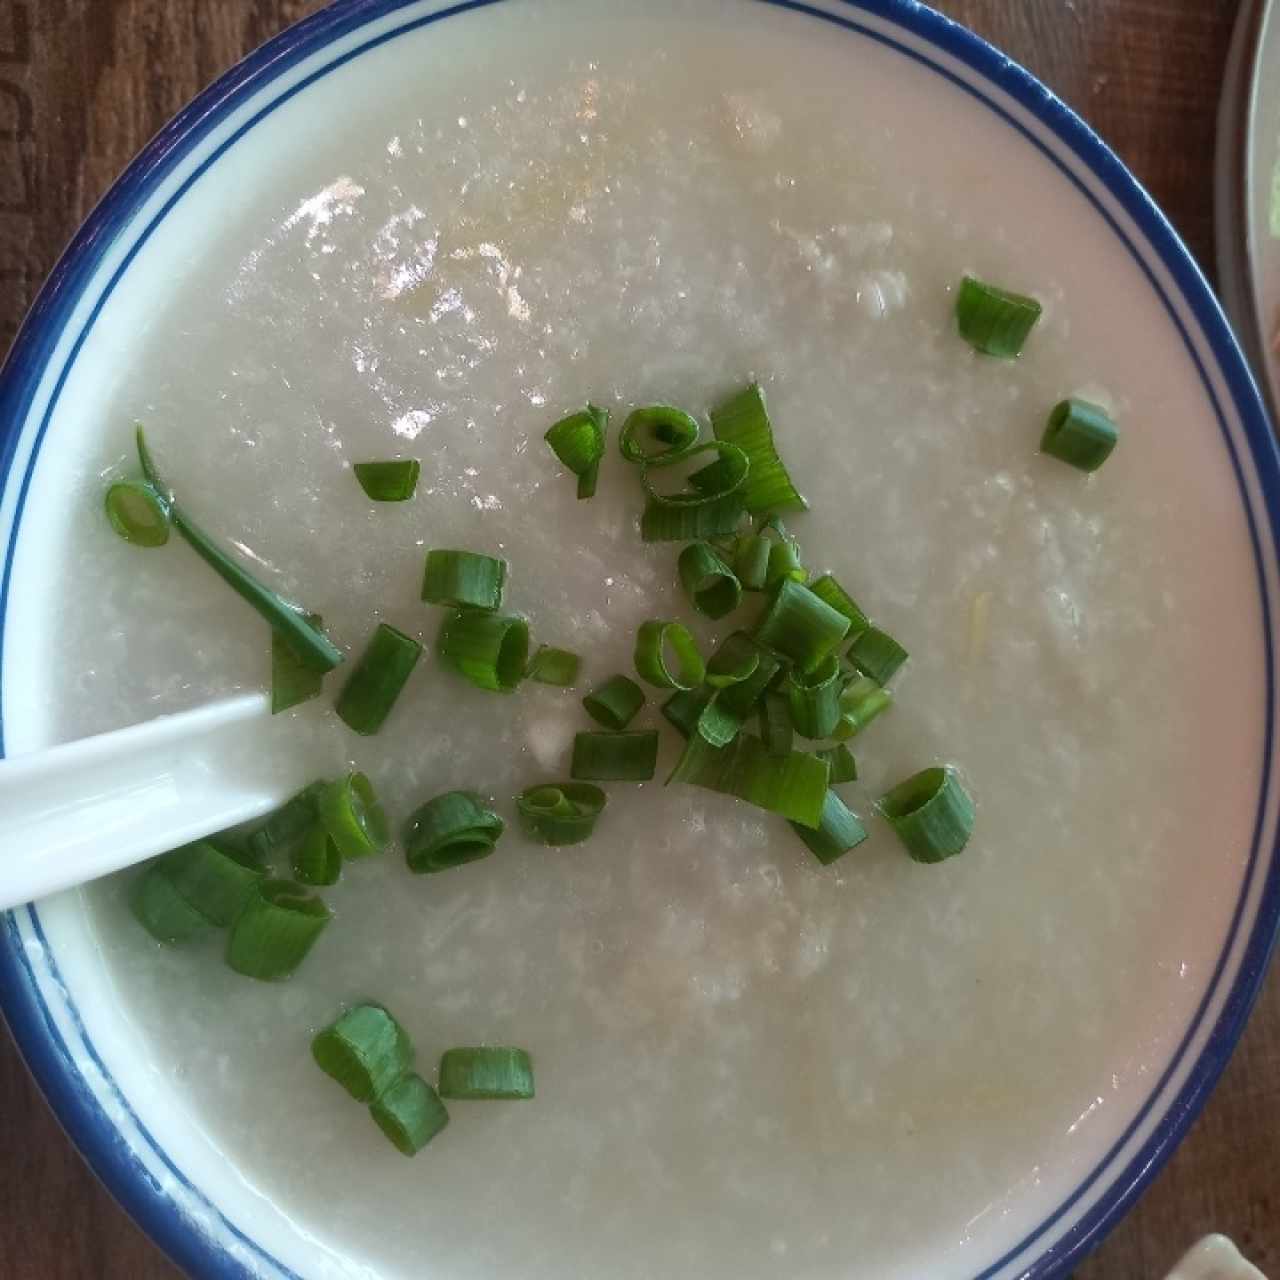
[{"x": 49, "y": 1057}]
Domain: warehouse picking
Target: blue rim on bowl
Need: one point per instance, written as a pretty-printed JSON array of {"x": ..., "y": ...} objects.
[{"x": 56, "y": 1048}]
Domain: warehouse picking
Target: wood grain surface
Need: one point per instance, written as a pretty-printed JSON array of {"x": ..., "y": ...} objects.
[{"x": 84, "y": 83}]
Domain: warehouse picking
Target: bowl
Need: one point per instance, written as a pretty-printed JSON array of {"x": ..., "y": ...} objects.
[{"x": 215, "y": 160}]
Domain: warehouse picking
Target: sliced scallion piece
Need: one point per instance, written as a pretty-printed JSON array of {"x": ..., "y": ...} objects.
[
  {"x": 801, "y": 626},
  {"x": 713, "y": 478},
  {"x": 410, "y": 1113},
  {"x": 464, "y": 580},
  {"x": 717, "y": 723},
  {"x": 777, "y": 731},
  {"x": 292, "y": 680},
  {"x": 615, "y": 757},
  {"x": 553, "y": 666},
  {"x": 657, "y": 431},
  {"x": 1079, "y": 433},
  {"x": 861, "y": 701},
  {"x": 932, "y": 813},
  {"x": 490, "y": 649},
  {"x": 308, "y": 642},
  {"x": 615, "y": 703},
  {"x": 708, "y": 581},
  {"x": 450, "y": 830},
  {"x": 138, "y": 513},
  {"x": 741, "y": 697},
  {"x": 844, "y": 768},
  {"x": 287, "y": 824},
  {"x": 488, "y": 1073},
  {"x": 276, "y": 928},
  {"x": 994, "y": 321},
  {"x": 316, "y": 859},
  {"x": 365, "y": 1051},
  {"x": 578, "y": 441},
  {"x": 793, "y": 786},
  {"x": 394, "y": 481},
  {"x": 743, "y": 420},
  {"x": 161, "y": 910},
  {"x": 560, "y": 813},
  {"x": 751, "y": 560},
  {"x": 350, "y": 812},
  {"x": 377, "y": 679},
  {"x": 652, "y": 642},
  {"x": 213, "y": 883},
  {"x": 877, "y": 654},
  {"x": 663, "y": 522},
  {"x": 828, "y": 589},
  {"x": 814, "y": 698},
  {"x": 731, "y": 475},
  {"x": 737, "y": 658},
  {"x": 685, "y": 707},
  {"x": 837, "y": 833}
]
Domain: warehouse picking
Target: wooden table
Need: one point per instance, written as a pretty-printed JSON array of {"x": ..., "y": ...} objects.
[{"x": 84, "y": 83}]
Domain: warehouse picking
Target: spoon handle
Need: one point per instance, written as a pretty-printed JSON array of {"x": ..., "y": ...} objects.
[{"x": 75, "y": 812}]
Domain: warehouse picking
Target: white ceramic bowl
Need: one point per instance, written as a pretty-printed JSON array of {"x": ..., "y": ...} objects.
[{"x": 220, "y": 149}]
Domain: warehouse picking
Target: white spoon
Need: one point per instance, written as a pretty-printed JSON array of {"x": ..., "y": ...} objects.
[{"x": 76, "y": 812}]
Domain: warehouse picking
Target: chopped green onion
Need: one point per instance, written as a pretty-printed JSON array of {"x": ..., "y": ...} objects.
[
  {"x": 490, "y": 649},
  {"x": 238, "y": 848},
  {"x": 317, "y": 860},
  {"x": 741, "y": 697},
  {"x": 801, "y": 626},
  {"x": 450, "y": 830},
  {"x": 651, "y": 656},
  {"x": 994, "y": 321},
  {"x": 553, "y": 666},
  {"x": 736, "y": 659},
  {"x": 844, "y": 768},
  {"x": 374, "y": 685},
  {"x": 708, "y": 581},
  {"x": 161, "y": 910},
  {"x": 138, "y": 513},
  {"x": 657, "y": 431},
  {"x": 751, "y": 560},
  {"x": 309, "y": 642},
  {"x": 365, "y": 1051},
  {"x": 828, "y": 589},
  {"x": 486, "y": 1073},
  {"x": 615, "y": 703},
  {"x": 464, "y": 580},
  {"x": 718, "y": 723},
  {"x": 287, "y": 824},
  {"x": 213, "y": 883},
  {"x": 578, "y": 441},
  {"x": 861, "y": 701},
  {"x": 731, "y": 475},
  {"x": 662, "y": 522},
  {"x": 877, "y": 654},
  {"x": 351, "y": 814},
  {"x": 685, "y": 707},
  {"x": 292, "y": 680},
  {"x": 837, "y": 833},
  {"x": 814, "y": 698},
  {"x": 743, "y": 420},
  {"x": 395, "y": 481},
  {"x": 410, "y": 1113},
  {"x": 793, "y": 786},
  {"x": 1079, "y": 433},
  {"x": 932, "y": 814},
  {"x": 776, "y": 728},
  {"x": 561, "y": 813},
  {"x": 615, "y": 757},
  {"x": 278, "y": 925},
  {"x": 713, "y": 478}
]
